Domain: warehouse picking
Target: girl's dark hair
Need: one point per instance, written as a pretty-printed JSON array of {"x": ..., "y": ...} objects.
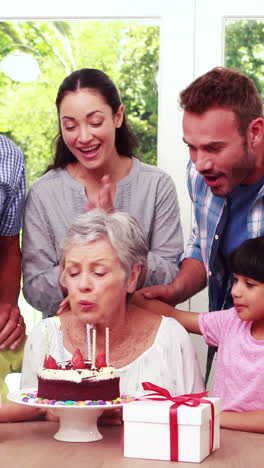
[
  {"x": 248, "y": 259},
  {"x": 125, "y": 140}
]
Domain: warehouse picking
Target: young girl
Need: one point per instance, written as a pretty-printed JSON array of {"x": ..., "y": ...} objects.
[{"x": 239, "y": 334}]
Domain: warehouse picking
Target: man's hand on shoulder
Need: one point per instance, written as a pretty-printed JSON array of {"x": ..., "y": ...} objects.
[
  {"x": 163, "y": 293},
  {"x": 189, "y": 281},
  {"x": 12, "y": 327}
]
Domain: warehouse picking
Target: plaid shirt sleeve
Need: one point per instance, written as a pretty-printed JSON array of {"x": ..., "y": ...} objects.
[
  {"x": 192, "y": 248},
  {"x": 12, "y": 187}
]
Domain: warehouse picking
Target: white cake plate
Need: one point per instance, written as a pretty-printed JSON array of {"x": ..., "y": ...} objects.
[{"x": 77, "y": 423}]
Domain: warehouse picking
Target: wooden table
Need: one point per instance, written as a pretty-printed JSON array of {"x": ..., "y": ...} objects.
[{"x": 31, "y": 445}]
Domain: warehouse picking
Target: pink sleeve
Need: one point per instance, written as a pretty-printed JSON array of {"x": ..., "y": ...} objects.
[{"x": 214, "y": 324}]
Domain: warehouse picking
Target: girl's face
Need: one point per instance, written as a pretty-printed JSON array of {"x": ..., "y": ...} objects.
[
  {"x": 96, "y": 284},
  {"x": 248, "y": 297},
  {"x": 88, "y": 127}
]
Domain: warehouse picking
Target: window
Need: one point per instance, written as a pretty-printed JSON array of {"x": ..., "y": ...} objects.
[{"x": 244, "y": 48}]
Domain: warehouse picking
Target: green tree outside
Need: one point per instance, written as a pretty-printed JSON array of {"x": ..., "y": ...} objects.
[
  {"x": 244, "y": 49},
  {"x": 127, "y": 51}
]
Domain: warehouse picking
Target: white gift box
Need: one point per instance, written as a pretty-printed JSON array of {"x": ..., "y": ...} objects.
[{"x": 147, "y": 430}]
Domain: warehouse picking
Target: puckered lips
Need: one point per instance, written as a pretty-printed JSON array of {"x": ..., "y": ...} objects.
[{"x": 86, "y": 305}]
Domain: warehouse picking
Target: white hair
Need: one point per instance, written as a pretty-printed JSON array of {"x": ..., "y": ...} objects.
[{"x": 120, "y": 229}]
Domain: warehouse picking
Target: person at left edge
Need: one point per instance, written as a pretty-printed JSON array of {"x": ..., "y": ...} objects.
[{"x": 12, "y": 197}]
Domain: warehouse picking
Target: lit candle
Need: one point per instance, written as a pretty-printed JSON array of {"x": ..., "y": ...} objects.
[
  {"x": 60, "y": 342},
  {"x": 46, "y": 338},
  {"x": 107, "y": 346},
  {"x": 94, "y": 347},
  {"x": 89, "y": 345}
]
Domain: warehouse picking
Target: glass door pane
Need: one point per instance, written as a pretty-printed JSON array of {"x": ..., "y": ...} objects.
[{"x": 244, "y": 48}]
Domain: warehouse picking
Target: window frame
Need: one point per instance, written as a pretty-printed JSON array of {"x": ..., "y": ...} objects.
[{"x": 176, "y": 63}]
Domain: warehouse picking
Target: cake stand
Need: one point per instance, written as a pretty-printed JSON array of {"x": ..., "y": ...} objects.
[{"x": 76, "y": 423}]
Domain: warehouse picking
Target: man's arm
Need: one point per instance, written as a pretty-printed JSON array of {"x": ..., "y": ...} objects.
[
  {"x": 190, "y": 280},
  {"x": 12, "y": 327},
  {"x": 250, "y": 421}
]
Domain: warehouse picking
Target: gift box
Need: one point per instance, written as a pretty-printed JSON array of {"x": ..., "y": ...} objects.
[{"x": 166, "y": 430}]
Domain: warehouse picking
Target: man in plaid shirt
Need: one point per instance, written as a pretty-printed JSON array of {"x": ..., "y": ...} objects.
[
  {"x": 223, "y": 127},
  {"x": 12, "y": 196}
]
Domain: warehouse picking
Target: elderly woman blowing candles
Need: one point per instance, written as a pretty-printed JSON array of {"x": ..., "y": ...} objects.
[{"x": 102, "y": 256}]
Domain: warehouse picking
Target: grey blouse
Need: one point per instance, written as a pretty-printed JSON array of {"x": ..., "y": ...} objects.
[{"x": 53, "y": 201}]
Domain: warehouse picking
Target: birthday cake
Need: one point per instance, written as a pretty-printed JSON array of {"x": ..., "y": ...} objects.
[{"x": 79, "y": 380}]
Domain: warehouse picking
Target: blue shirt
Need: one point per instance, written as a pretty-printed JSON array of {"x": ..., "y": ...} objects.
[
  {"x": 210, "y": 219},
  {"x": 239, "y": 204},
  {"x": 12, "y": 187}
]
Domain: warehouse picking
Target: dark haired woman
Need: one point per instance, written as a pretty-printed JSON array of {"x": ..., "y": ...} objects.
[{"x": 95, "y": 165}]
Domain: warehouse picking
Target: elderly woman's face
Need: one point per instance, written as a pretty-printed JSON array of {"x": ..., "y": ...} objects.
[{"x": 95, "y": 280}]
